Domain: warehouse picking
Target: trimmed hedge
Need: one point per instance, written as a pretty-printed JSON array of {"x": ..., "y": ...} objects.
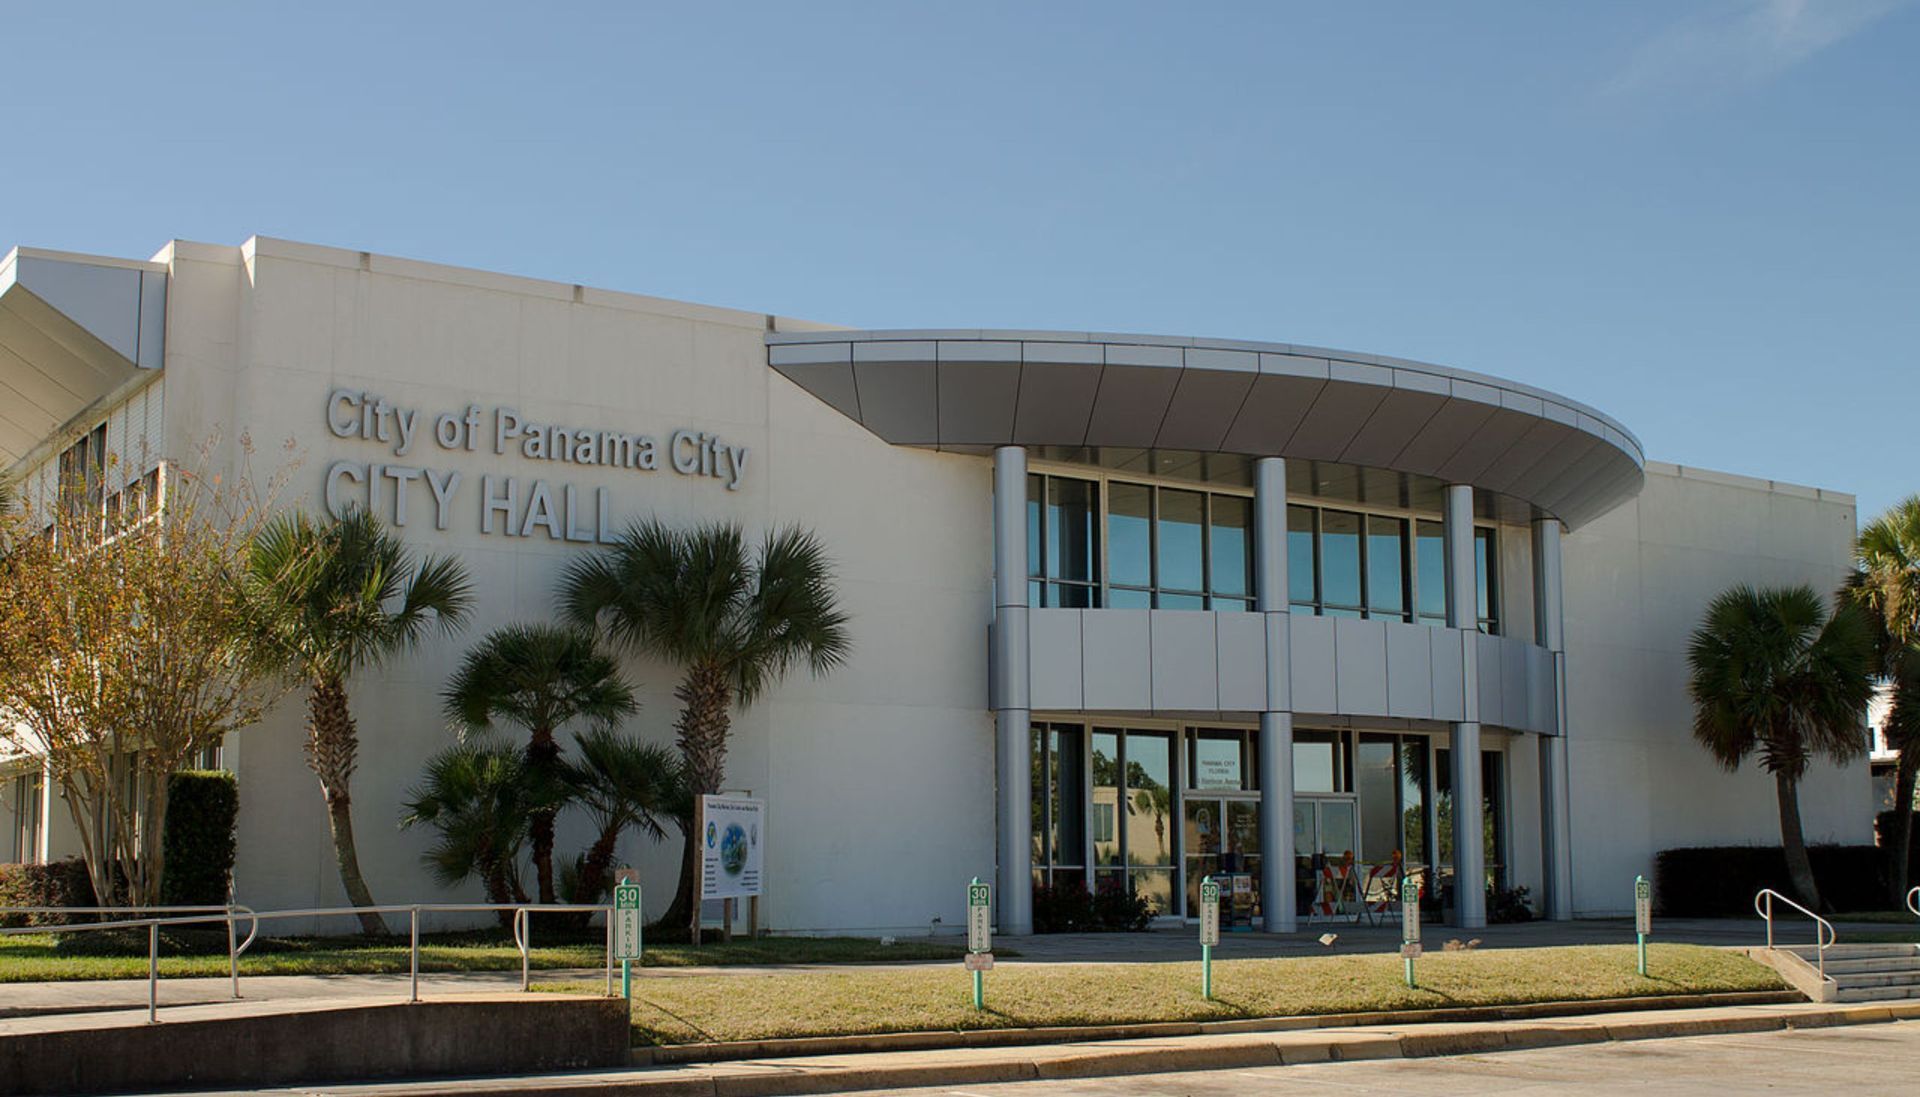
[
  {"x": 1720, "y": 881},
  {"x": 63, "y": 883},
  {"x": 203, "y": 810}
]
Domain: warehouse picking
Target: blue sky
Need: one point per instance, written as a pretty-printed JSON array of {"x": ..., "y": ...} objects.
[{"x": 1703, "y": 218}]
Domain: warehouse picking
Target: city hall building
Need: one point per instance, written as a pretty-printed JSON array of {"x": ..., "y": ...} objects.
[{"x": 1127, "y": 610}]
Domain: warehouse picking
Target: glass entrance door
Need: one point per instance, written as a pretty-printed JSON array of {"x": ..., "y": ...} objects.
[
  {"x": 1326, "y": 832},
  {"x": 1222, "y": 836}
]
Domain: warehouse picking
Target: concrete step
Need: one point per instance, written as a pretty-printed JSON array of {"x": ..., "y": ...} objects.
[
  {"x": 1854, "y": 952},
  {"x": 1873, "y": 964},
  {"x": 1875, "y": 994},
  {"x": 1876, "y": 979}
]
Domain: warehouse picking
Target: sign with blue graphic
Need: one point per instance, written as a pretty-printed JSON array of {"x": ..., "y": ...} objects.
[{"x": 731, "y": 838}]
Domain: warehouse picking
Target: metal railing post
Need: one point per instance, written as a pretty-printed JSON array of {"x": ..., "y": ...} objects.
[
  {"x": 524, "y": 933},
  {"x": 153, "y": 973},
  {"x": 413, "y": 954},
  {"x": 233, "y": 956}
]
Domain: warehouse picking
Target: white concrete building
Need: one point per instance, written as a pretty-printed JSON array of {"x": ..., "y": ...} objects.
[{"x": 1126, "y": 609}]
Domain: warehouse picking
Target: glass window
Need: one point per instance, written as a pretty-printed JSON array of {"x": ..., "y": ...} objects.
[
  {"x": 1493, "y": 805},
  {"x": 1036, "y": 548},
  {"x": 1316, "y": 762},
  {"x": 1149, "y": 824},
  {"x": 1106, "y": 796},
  {"x": 1229, "y": 549},
  {"x": 1182, "y": 555},
  {"x": 1130, "y": 535},
  {"x": 1300, "y": 553},
  {"x": 1386, "y": 567},
  {"x": 1216, "y": 759},
  {"x": 1486, "y": 573},
  {"x": 1431, "y": 579},
  {"x": 1072, "y": 542},
  {"x": 1375, "y": 778},
  {"x": 1413, "y": 800},
  {"x": 1340, "y": 560}
]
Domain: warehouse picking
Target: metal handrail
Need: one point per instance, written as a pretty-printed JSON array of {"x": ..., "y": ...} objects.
[
  {"x": 1913, "y": 901},
  {"x": 1824, "y": 935},
  {"x": 521, "y": 925}
]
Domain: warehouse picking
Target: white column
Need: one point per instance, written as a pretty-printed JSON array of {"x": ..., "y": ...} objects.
[
  {"x": 1550, "y": 633},
  {"x": 1010, "y": 690},
  {"x": 1469, "y": 851},
  {"x": 1276, "y": 719}
]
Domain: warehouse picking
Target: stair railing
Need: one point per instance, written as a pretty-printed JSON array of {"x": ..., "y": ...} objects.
[
  {"x": 1824, "y": 934},
  {"x": 1913, "y": 901}
]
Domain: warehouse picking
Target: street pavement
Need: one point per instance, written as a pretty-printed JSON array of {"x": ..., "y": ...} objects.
[{"x": 1861, "y": 1061}]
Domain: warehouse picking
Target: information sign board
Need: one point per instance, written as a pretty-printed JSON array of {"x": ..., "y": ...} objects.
[{"x": 732, "y": 834}]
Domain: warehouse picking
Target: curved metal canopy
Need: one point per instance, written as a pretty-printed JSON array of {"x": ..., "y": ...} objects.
[{"x": 969, "y": 391}]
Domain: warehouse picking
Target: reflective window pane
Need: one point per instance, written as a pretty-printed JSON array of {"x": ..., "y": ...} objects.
[
  {"x": 1386, "y": 574},
  {"x": 1130, "y": 535},
  {"x": 1300, "y": 545},
  {"x": 1485, "y": 574},
  {"x": 1121, "y": 598},
  {"x": 1431, "y": 577},
  {"x": 1036, "y": 558},
  {"x": 1313, "y": 768},
  {"x": 1073, "y": 542},
  {"x": 1182, "y": 561},
  {"x": 1106, "y": 796},
  {"x": 1375, "y": 762},
  {"x": 1182, "y": 601},
  {"x": 1149, "y": 807},
  {"x": 1413, "y": 799},
  {"x": 1215, "y": 761},
  {"x": 1340, "y": 558},
  {"x": 1229, "y": 547}
]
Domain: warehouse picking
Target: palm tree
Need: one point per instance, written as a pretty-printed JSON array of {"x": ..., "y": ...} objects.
[
  {"x": 1886, "y": 583},
  {"x": 1775, "y": 675},
  {"x": 735, "y": 620},
  {"x": 331, "y": 598},
  {"x": 540, "y": 677},
  {"x": 621, "y": 783},
  {"x": 477, "y": 795}
]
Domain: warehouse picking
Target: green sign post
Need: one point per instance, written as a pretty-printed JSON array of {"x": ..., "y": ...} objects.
[
  {"x": 626, "y": 931},
  {"x": 979, "y": 938},
  {"x": 1409, "y": 924},
  {"x": 1209, "y": 932},
  {"x": 1642, "y": 917}
]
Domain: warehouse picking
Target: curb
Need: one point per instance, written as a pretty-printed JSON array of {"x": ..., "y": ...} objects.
[
  {"x": 1223, "y": 1051},
  {"x": 945, "y": 1039}
]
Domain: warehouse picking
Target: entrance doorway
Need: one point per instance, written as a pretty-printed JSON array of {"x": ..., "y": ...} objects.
[
  {"x": 1222, "y": 836},
  {"x": 1326, "y": 832}
]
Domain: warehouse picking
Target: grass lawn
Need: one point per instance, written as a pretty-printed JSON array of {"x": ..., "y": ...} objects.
[
  {"x": 691, "y": 1009},
  {"x": 35, "y": 957}
]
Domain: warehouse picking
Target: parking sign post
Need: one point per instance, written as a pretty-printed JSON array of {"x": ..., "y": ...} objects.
[
  {"x": 626, "y": 930},
  {"x": 1642, "y": 917},
  {"x": 979, "y": 938},
  {"x": 1409, "y": 924},
  {"x": 1209, "y": 932}
]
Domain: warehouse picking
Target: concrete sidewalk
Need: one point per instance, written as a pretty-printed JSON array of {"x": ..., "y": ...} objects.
[
  {"x": 1159, "y": 946},
  {"x": 1213, "y": 1051}
]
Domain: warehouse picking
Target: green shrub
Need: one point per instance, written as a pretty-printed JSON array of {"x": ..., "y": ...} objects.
[
  {"x": 1120, "y": 909},
  {"x": 63, "y": 883},
  {"x": 1062, "y": 908},
  {"x": 1721, "y": 881},
  {"x": 1508, "y": 905},
  {"x": 203, "y": 807}
]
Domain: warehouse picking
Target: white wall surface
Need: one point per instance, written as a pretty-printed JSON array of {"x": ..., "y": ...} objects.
[
  {"x": 1637, "y": 582},
  {"x": 878, "y": 778}
]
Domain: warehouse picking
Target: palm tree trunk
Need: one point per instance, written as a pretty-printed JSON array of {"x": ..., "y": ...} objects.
[
  {"x": 543, "y": 753},
  {"x": 332, "y": 743},
  {"x": 1793, "y": 843},
  {"x": 706, "y": 703},
  {"x": 1900, "y": 842},
  {"x": 595, "y": 867}
]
